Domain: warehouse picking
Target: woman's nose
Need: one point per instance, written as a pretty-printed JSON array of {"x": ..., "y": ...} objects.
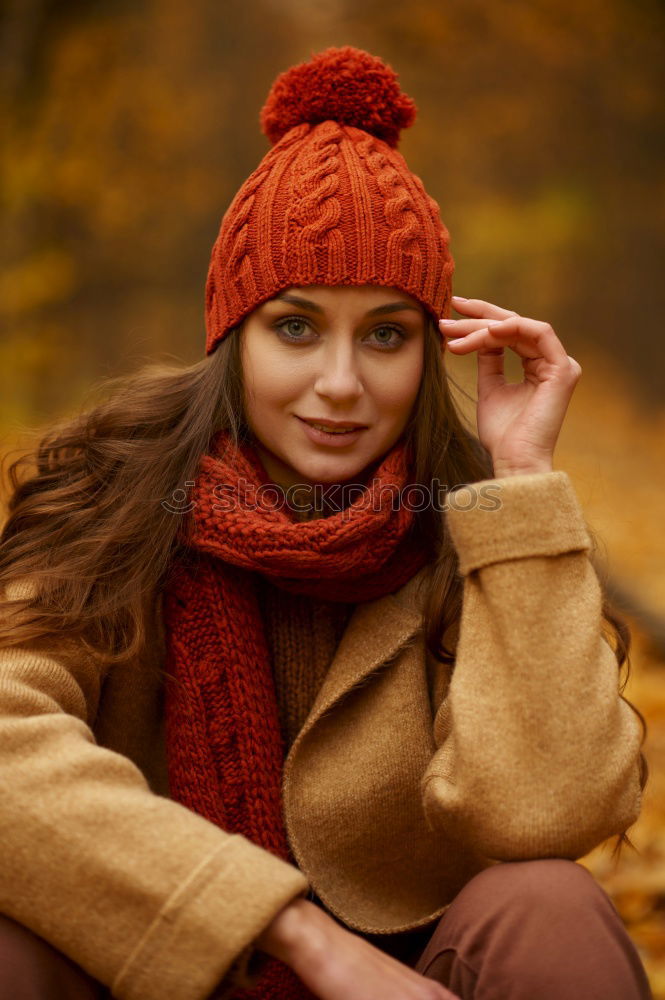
[{"x": 338, "y": 377}]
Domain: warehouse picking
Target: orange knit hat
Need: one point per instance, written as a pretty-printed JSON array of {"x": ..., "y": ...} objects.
[{"x": 333, "y": 202}]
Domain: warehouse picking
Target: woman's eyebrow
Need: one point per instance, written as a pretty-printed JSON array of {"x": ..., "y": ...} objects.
[{"x": 390, "y": 307}]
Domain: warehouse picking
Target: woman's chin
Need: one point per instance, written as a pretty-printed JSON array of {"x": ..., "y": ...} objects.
[
  {"x": 313, "y": 465},
  {"x": 331, "y": 471}
]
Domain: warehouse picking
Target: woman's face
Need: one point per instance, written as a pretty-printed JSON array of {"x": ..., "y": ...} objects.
[{"x": 319, "y": 354}]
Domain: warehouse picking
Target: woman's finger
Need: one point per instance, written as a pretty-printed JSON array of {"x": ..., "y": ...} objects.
[
  {"x": 479, "y": 307},
  {"x": 462, "y": 326},
  {"x": 527, "y": 337},
  {"x": 491, "y": 373}
]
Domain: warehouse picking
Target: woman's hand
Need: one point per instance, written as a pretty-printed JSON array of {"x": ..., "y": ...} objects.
[
  {"x": 518, "y": 423},
  {"x": 336, "y": 964}
]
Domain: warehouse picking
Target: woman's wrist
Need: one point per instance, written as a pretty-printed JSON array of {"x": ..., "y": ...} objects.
[
  {"x": 504, "y": 469},
  {"x": 292, "y": 930}
]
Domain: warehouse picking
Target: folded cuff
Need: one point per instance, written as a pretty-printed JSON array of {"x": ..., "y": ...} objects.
[
  {"x": 495, "y": 520},
  {"x": 209, "y": 923}
]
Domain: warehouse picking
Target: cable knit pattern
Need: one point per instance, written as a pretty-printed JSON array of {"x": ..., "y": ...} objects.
[
  {"x": 224, "y": 743},
  {"x": 311, "y": 233},
  {"x": 333, "y": 202},
  {"x": 232, "y": 274},
  {"x": 403, "y": 252},
  {"x": 440, "y": 266}
]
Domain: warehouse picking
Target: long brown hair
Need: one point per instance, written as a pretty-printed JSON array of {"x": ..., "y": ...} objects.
[{"x": 91, "y": 504}]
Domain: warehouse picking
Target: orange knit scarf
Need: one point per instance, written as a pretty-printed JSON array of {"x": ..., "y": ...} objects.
[{"x": 224, "y": 746}]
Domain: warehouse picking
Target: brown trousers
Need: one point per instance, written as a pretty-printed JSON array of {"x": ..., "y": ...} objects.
[{"x": 525, "y": 930}]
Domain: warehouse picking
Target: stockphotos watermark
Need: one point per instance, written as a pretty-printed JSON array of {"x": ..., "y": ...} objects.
[{"x": 305, "y": 498}]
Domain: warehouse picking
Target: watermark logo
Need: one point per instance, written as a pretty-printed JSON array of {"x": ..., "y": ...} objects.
[
  {"x": 180, "y": 503},
  {"x": 305, "y": 499}
]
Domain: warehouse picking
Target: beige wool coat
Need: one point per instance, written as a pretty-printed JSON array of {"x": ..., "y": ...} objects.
[{"x": 404, "y": 781}]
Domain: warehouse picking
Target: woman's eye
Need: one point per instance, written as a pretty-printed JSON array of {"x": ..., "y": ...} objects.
[
  {"x": 297, "y": 327},
  {"x": 388, "y": 336}
]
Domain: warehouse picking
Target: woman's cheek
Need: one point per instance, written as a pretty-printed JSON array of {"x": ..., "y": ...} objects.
[
  {"x": 397, "y": 391},
  {"x": 271, "y": 387}
]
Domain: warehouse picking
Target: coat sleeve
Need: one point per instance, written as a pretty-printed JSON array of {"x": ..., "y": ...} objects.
[
  {"x": 148, "y": 897},
  {"x": 537, "y": 752}
]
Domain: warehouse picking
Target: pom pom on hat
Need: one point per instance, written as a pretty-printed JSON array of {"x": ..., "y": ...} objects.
[{"x": 345, "y": 85}]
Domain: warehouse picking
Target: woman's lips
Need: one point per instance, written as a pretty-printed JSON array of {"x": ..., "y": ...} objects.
[{"x": 336, "y": 439}]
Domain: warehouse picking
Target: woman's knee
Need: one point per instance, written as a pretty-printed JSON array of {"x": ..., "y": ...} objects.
[
  {"x": 557, "y": 880},
  {"x": 32, "y": 969},
  {"x": 539, "y": 928},
  {"x": 553, "y": 883},
  {"x": 530, "y": 898}
]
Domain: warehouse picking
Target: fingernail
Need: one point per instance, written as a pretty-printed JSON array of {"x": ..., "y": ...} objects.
[
  {"x": 447, "y": 321},
  {"x": 460, "y": 298}
]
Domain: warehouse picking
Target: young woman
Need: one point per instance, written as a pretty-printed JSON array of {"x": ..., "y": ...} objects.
[{"x": 284, "y": 713}]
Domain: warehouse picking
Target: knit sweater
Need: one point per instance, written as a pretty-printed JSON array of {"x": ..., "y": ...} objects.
[{"x": 302, "y": 636}]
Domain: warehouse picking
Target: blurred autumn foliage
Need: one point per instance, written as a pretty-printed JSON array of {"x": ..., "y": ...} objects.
[{"x": 129, "y": 126}]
